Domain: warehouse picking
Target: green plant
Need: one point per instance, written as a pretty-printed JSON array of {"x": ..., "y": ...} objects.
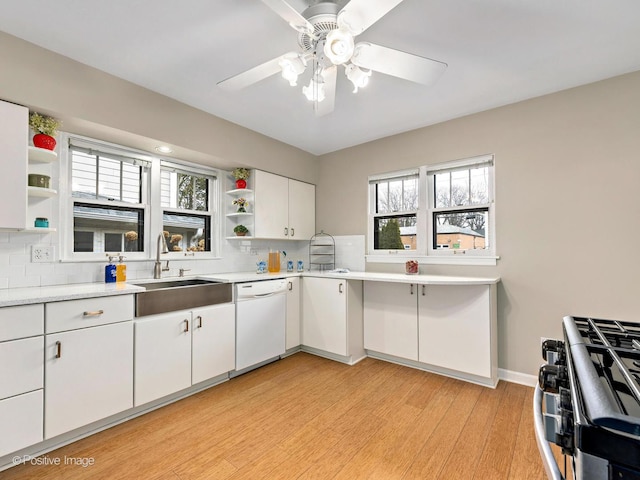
[
  {"x": 240, "y": 229},
  {"x": 241, "y": 173},
  {"x": 43, "y": 124}
]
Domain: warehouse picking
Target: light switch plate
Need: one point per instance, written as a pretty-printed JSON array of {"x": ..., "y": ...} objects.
[{"x": 41, "y": 253}]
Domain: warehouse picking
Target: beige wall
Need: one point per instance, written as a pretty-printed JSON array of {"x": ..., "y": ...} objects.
[
  {"x": 567, "y": 174},
  {"x": 90, "y": 102}
]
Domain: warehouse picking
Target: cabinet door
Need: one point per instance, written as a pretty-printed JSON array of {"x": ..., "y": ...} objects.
[
  {"x": 455, "y": 328},
  {"x": 324, "y": 317},
  {"x": 21, "y": 420},
  {"x": 293, "y": 313},
  {"x": 21, "y": 366},
  {"x": 391, "y": 318},
  {"x": 162, "y": 355},
  {"x": 213, "y": 342},
  {"x": 88, "y": 376},
  {"x": 271, "y": 205},
  {"x": 302, "y": 210},
  {"x": 14, "y": 131}
]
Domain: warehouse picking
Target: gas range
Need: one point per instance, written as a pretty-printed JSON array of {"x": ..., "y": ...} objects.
[{"x": 588, "y": 399}]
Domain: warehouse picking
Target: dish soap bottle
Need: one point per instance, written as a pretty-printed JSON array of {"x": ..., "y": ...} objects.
[
  {"x": 121, "y": 270},
  {"x": 110, "y": 271}
]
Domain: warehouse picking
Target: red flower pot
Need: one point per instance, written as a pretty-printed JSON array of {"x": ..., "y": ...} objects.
[
  {"x": 240, "y": 183},
  {"x": 41, "y": 140}
]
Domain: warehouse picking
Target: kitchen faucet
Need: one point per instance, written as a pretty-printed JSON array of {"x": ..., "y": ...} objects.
[{"x": 161, "y": 248}]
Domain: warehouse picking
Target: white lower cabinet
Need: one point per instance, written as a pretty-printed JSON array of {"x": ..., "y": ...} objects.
[
  {"x": 89, "y": 376},
  {"x": 463, "y": 313},
  {"x": 332, "y": 316},
  {"x": 293, "y": 313},
  {"x": 390, "y": 319},
  {"x": 21, "y": 376},
  {"x": 175, "y": 350}
]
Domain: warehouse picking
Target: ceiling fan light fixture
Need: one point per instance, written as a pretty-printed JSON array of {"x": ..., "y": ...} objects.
[
  {"x": 339, "y": 46},
  {"x": 314, "y": 91},
  {"x": 292, "y": 65},
  {"x": 357, "y": 76}
]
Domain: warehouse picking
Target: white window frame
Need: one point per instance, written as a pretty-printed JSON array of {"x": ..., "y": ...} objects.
[
  {"x": 151, "y": 205},
  {"x": 425, "y": 253}
]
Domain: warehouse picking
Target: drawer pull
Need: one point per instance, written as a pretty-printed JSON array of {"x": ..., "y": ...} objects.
[
  {"x": 411, "y": 290},
  {"x": 290, "y": 286},
  {"x": 340, "y": 288},
  {"x": 186, "y": 325},
  {"x": 58, "y": 349},
  {"x": 95, "y": 313},
  {"x": 199, "y": 318},
  {"x": 424, "y": 290},
  {"x": 293, "y": 232}
]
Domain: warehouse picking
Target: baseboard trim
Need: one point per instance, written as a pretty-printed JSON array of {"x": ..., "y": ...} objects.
[{"x": 517, "y": 377}]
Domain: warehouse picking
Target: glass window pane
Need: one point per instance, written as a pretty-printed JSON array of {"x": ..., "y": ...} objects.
[
  {"x": 104, "y": 178},
  {"x": 410, "y": 197},
  {"x": 187, "y": 233},
  {"x": 442, "y": 189},
  {"x": 382, "y": 196},
  {"x": 479, "y": 185},
  {"x": 395, "y": 233},
  {"x": 461, "y": 230},
  {"x": 84, "y": 175},
  {"x": 459, "y": 188},
  {"x": 179, "y": 190},
  {"x": 108, "y": 227}
]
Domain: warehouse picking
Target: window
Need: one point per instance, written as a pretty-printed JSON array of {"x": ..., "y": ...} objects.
[
  {"x": 115, "y": 207},
  {"x": 394, "y": 201},
  {"x": 436, "y": 211}
]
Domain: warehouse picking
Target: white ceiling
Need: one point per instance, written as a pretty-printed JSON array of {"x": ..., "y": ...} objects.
[{"x": 498, "y": 52}]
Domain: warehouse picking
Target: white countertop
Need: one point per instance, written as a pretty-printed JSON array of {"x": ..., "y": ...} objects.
[{"x": 28, "y": 295}]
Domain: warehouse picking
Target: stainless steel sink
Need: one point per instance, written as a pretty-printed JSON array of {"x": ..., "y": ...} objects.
[{"x": 172, "y": 295}]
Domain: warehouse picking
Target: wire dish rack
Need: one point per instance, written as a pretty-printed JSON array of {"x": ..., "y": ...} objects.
[{"x": 322, "y": 252}]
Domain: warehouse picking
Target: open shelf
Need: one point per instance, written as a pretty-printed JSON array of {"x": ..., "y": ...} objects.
[
  {"x": 240, "y": 214},
  {"x": 39, "y": 230},
  {"x": 238, "y": 191},
  {"x": 41, "y": 155},
  {"x": 246, "y": 237},
  {"x": 41, "y": 192}
]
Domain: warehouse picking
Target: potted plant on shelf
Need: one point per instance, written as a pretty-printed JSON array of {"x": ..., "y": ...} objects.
[
  {"x": 45, "y": 129},
  {"x": 240, "y": 230},
  {"x": 241, "y": 175},
  {"x": 242, "y": 204}
]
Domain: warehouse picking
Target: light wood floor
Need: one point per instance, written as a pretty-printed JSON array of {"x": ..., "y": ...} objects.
[{"x": 310, "y": 418}]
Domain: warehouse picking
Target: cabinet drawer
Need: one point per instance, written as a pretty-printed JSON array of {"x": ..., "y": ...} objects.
[
  {"x": 21, "y": 321},
  {"x": 21, "y": 366},
  {"x": 88, "y": 312},
  {"x": 21, "y": 419}
]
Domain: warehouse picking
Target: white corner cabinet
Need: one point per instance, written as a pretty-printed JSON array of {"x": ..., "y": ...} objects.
[
  {"x": 332, "y": 318},
  {"x": 21, "y": 376},
  {"x": 283, "y": 208},
  {"x": 450, "y": 329},
  {"x": 176, "y": 350},
  {"x": 88, "y": 361},
  {"x": 19, "y": 159}
]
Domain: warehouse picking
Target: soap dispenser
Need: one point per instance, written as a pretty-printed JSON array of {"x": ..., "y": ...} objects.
[
  {"x": 121, "y": 270},
  {"x": 110, "y": 270}
]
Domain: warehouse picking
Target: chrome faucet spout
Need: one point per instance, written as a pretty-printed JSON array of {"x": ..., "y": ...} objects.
[{"x": 161, "y": 248}]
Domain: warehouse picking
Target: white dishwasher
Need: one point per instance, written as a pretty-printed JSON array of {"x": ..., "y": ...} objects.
[{"x": 260, "y": 322}]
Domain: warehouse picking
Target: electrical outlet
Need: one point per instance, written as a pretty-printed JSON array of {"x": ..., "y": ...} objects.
[{"x": 41, "y": 253}]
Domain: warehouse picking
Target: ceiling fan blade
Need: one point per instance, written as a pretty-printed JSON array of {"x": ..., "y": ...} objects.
[
  {"x": 358, "y": 15},
  {"x": 398, "y": 64},
  {"x": 251, "y": 76},
  {"x": 290, "y": 15},
  {"x": 326, "y": 106}
]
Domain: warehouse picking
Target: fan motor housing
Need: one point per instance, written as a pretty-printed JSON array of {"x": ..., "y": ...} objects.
[{"x": 323, "y": 17}]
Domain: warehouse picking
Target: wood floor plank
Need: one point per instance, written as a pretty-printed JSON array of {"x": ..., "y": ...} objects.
[
  {"x": 499, "y": 447},
  {"x": 311, "y": 418}
]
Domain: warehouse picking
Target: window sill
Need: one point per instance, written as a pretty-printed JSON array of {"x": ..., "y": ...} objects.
[{"x": 432, "y": 260}]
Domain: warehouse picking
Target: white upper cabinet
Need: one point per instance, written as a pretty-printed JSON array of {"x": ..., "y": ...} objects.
[
  {"x": 284, "y": 208},
  {"x": 14, "y": 138}
]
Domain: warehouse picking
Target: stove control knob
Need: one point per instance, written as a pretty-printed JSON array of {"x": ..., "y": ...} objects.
[
  {"x": 552, "y": 377},
  {"x": 555, "y": 346}
]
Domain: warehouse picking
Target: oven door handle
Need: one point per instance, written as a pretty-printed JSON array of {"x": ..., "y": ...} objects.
[{"x": 548, "y": 460}]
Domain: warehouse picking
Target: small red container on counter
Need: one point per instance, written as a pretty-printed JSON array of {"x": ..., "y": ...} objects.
[{"x": 411, "y": 267}]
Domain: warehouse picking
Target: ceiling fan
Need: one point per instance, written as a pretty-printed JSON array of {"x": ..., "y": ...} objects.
[{"x": 326, "y": 38}]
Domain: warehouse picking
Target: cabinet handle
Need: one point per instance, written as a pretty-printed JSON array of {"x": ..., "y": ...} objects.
[
  {"x": 340, "y": 288},
  {"x": 94, "y": 313},
  {"x": 424, "y": 290},
  {"x": 293, "y": 232},
  {"x": 290, "y": 286},
  {"x": 286, "y": 232},
  {"x": 199, "y": 318},
  {"x": 58, "y": 349},
  {"x": 411, "y": 289},
  {"x": 186, "y": 325}
]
